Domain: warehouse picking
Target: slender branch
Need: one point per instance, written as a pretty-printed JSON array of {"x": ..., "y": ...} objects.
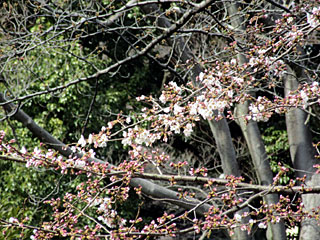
[
  {"x": 279, "y": 6},
  {"x": 197, "y": 179},
  {"x": 90, "y": 107}
]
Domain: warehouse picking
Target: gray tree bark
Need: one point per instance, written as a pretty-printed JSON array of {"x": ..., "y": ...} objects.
[
  {"x": 253, "y": 138},
  {"x": 261, "y": 164},
  {"x": 220, "y": 129},
  {"x": 302, "y": 156}
]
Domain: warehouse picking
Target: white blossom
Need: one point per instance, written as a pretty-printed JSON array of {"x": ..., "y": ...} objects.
[
  {"x": 105, "y": 205},
  {"x": 238, "y": 80},
  {"x": 193, "y": 109},
  {"x": 205, "y": 112},
  {"x": 107, "y": 221},
  {"x": 188, "y": 130},
  {"x": 175, "y": 87},
  {"x": 257, "y": 112},
  {"x": 82, "y": 141},
  {"x": 315, "y": 87},
  {"x": 166, "y": 110},
  {"x": 253, "y": 61},
  {"x": 90, "y": 139},
  {"x": 177, "y": 109},
  {"x": 290, "y": 20},
  {"x": 142, "y": 97},
  {"x": 312, "y": 19},
  {"x": 23, "y": 150},
  {"x": 74, "y": 149},
  {"x": 222, "y": 176},
  {"x": 103, "y": 141},
  {"x": 94, "y": 202},
  {"x": 13, "y": 220},
  {"x": 91, "y": 153},
  {"x": 237, "y": 217},
  {"x": 127, "y": 140},
  {"x": 79, "y": 164},
  {"x": 163, "y": 99},
  {"x": 175, "y": 127},
  {"x": 142, "y": 137},
  {"x": 243, "y": 227},
  {"x": 262, "y": 51},
  {"x": 201, "y": 75},
  {"x": 128, "y": 120},
  {"x": 304, "y": 98},
  {"x": 293, "y": 232},
  {"x": 262, "y": 225}
]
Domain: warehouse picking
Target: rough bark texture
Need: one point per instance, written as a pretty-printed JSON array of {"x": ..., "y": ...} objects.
[
  {"x": 303, "y": 156},
  {"x": 253, "y": 138}
]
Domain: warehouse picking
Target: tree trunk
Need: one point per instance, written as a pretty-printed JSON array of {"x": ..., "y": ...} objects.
[
  {"x": 261, "y": 164},
  {"x": 302, "y": 156},
  {"x": 220, "y": 129},
  {"x": 221, "y": 133},
  {"x": 253, "y": 138}
]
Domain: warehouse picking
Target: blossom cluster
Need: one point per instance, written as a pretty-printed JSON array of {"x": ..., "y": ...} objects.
[
  {"x": 313, "y": 17},
  {"x": 263, "y": 108},
  {"x": 93, "y": 195}
]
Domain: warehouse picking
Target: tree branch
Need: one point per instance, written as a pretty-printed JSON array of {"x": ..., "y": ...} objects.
[{"x": 148, "y": 188}]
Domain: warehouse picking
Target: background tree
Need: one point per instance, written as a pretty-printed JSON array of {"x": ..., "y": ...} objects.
[{"x": 74, "y": 68}]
